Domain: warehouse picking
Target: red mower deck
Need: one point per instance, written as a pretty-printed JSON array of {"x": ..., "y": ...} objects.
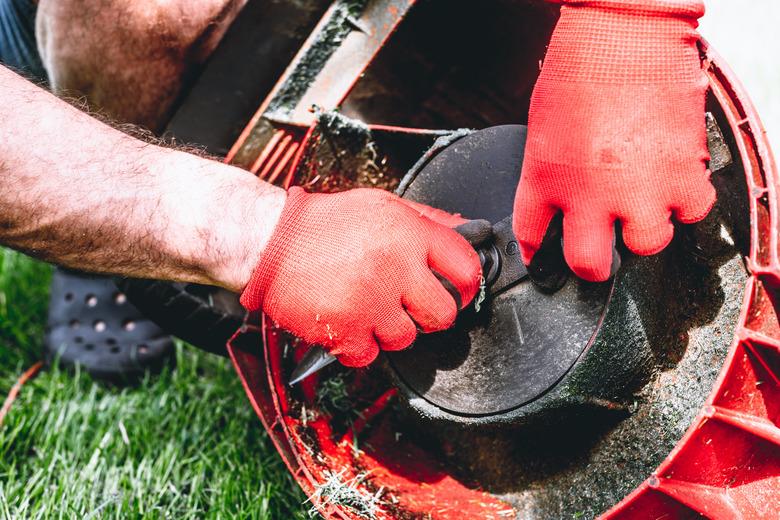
[{"x": 727, "y": 465}]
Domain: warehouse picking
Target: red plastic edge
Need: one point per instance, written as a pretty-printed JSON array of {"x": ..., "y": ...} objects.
[{"x": 727, "y": 465}]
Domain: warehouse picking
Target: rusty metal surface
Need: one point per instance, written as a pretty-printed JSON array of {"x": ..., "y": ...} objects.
[
  {"x": 342, "y": 45},
  {"x": 370, "y": 31}
]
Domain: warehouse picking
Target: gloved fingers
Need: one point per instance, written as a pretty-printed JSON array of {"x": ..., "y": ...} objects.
[
  {"x": 532, "y": 216},
  {"x": 451, "y": 256},
  {"x": 396, "y": 333},
  {"x": 356, "y": 352},
  {"x": 429, "y": 304},
  {"x": 649, "y": 233},
  {"x": 695, "y": 204},
  {"x": 587, "y": 245},
  {"x": 437, "y": 215}
]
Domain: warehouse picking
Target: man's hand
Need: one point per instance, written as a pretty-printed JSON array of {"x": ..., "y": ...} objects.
[
  {"x": 356, "y": 272},
  {"x": 616, "y": 131}
]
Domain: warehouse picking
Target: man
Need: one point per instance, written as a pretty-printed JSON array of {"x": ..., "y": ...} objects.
[{"x": 356, "y": 271}]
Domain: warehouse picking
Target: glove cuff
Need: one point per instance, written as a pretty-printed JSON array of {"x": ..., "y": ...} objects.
[
  {"x": 625, "y": 42},
  {"x": 253, "y": 296},
  {"x": 666, "y": 8}
]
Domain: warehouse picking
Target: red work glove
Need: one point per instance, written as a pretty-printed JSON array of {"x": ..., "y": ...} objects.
[
  {"x": 354, "y": 272},
  {"x": 616, "y": 131}
]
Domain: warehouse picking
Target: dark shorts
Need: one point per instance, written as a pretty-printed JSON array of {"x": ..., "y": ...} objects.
[{"x": 17, "y": 38}]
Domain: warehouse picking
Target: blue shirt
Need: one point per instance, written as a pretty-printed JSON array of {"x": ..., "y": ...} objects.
[{"x": 18, "y": 49}]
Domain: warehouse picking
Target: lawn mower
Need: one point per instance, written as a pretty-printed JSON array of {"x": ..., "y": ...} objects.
[{"x": 653, "y": 395}]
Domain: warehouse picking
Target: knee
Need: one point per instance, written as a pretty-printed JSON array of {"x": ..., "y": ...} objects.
[{"x": 128, "y": 58}]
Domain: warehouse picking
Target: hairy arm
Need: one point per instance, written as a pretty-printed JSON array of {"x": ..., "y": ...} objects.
[{"x": 77, "y": 192}]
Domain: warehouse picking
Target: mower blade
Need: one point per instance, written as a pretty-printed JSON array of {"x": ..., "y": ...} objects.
[{"x": 313, "y": 361}]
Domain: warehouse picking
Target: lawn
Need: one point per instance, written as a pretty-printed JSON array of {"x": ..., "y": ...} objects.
[{"x": 184, "y": 444}]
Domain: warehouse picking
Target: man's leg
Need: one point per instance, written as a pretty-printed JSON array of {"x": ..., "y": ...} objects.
[{"x": 129, "y": 59}]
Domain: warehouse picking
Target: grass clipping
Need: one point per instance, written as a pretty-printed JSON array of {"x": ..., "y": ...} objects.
[{"x": 345, "y": 493}]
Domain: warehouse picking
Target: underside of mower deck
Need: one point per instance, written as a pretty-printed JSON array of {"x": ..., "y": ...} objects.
[{"x": 657, "y": 393}]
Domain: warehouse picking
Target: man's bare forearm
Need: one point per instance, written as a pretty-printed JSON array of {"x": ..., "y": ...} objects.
[{"x": 77, "y": 192}]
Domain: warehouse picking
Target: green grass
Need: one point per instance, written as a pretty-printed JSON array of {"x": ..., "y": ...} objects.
[{"x": 191, "y": 448}]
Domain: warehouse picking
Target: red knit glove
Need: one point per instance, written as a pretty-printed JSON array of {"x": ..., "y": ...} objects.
[
  {"x": 616, "y": 131},
  {"x": 354, "y": 272}
]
